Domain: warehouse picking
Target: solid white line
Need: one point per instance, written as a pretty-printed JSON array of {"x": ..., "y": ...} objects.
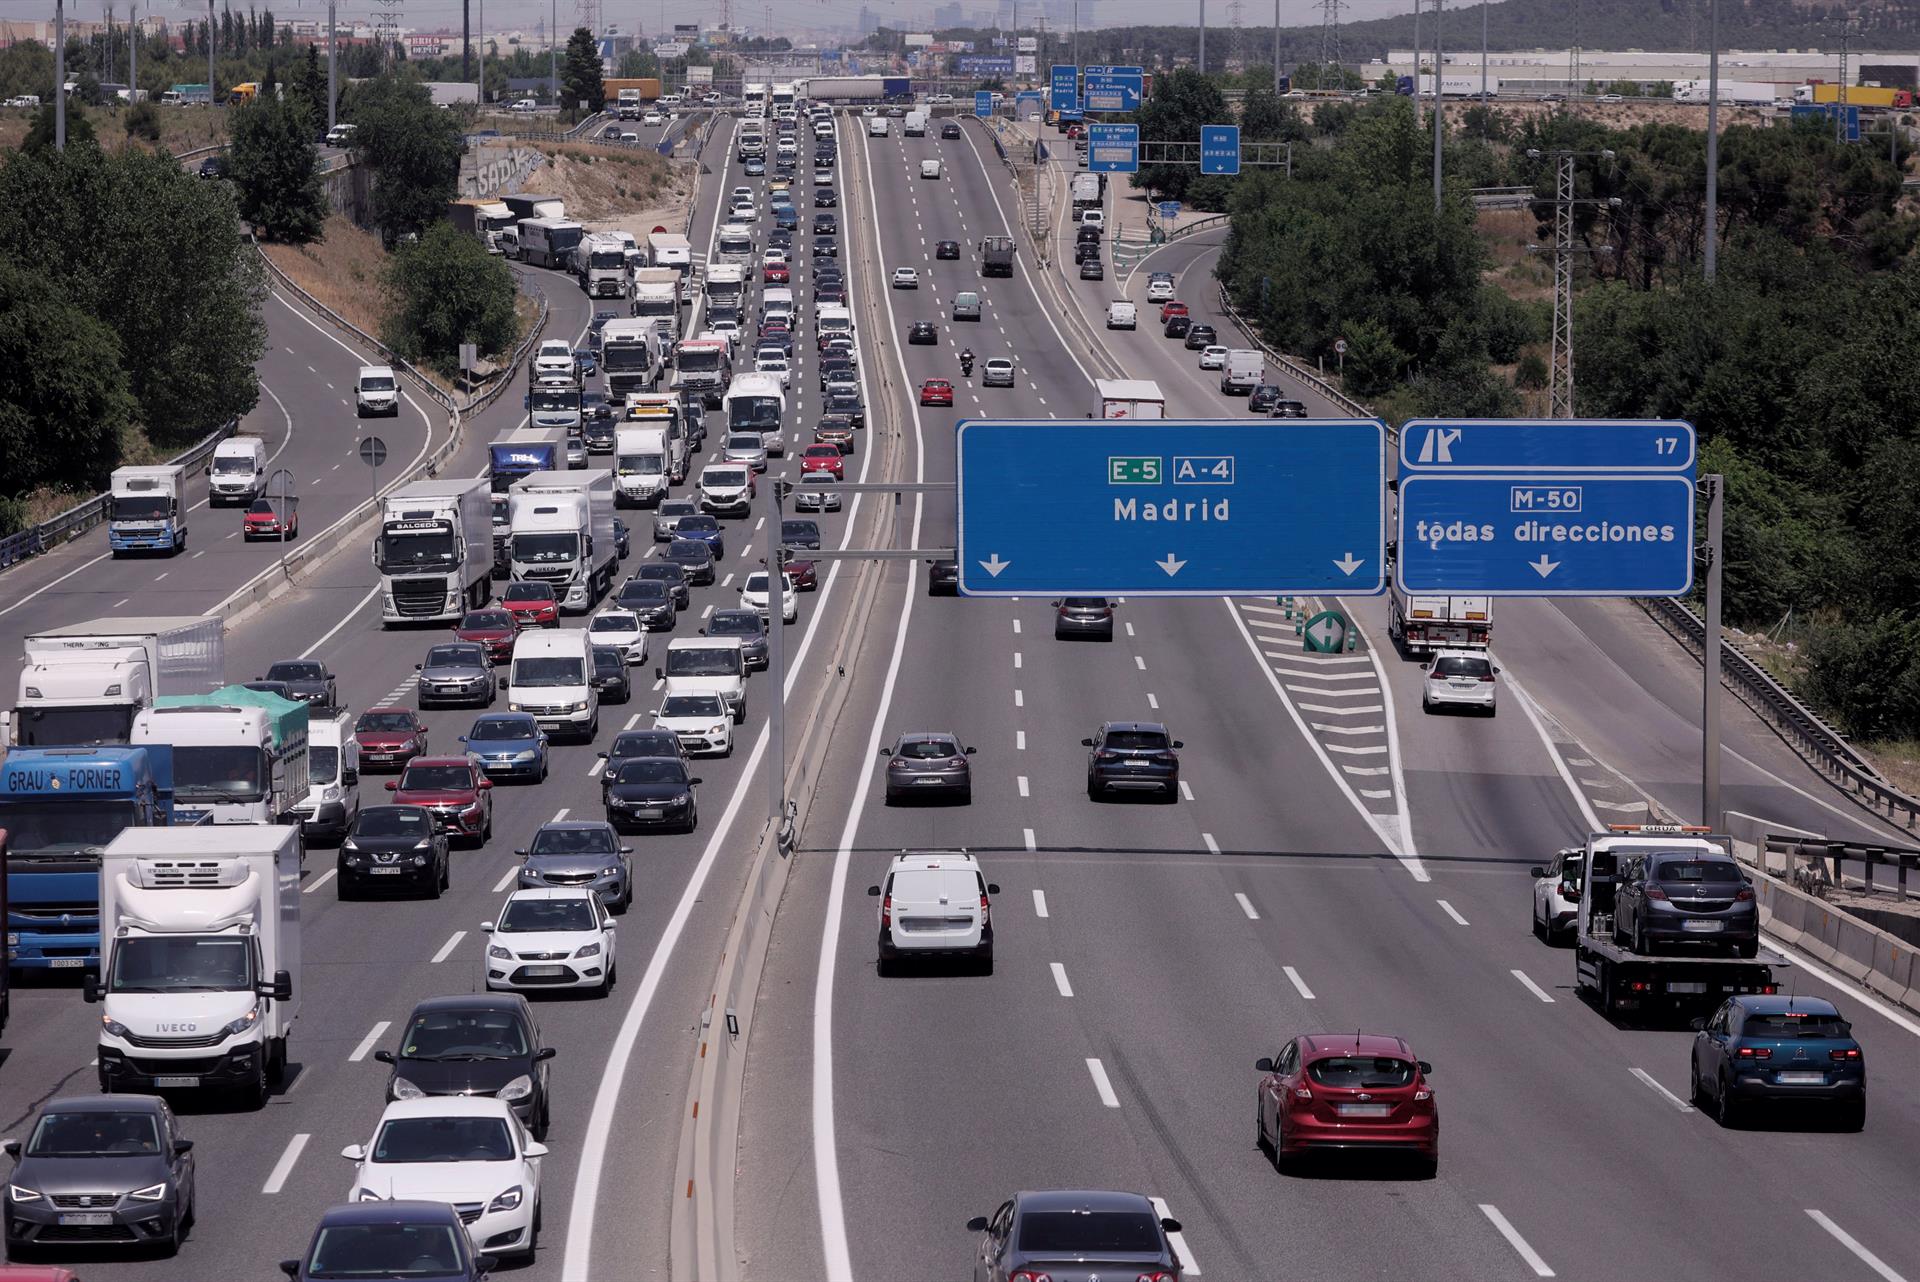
[
  {"x": 319, "y": 881},
  {"x": 1664, "y": 1093},
  {"x": 284, "y": 1167},
  {"x": 1299, "y": 984},
  {"x": 345, "y": 619},
  {"x": 506, "y": 879},
  {"x": 366, "y": 1043},
  {"x": 1212, "y": 845},
  {"x": 1060, "y": 979},
  {"x": 1532, "y": 987},
  {"x": 1451, "y": 911},
  {"x": 1514, "y": 1240},
  {"x": 1023, "y": 785},
  {"x": 1101, "y": 1084},
  {"x": 1246, "y": 906},
  {"x": 1028, "y": 834},
  {"x": 1847, "y": 1240},
  {"x": 446, "y": 949},
  {"x": 1189, "y": 1266},
  {"x": 1039, "y": 902},
  {"x": 1840, "y": 982}
]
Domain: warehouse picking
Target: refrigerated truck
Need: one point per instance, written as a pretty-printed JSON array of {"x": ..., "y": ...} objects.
[
  {"x": 1130, "y": 398},
  {"x": 147, "y": 509},
  {"x": 434, "y": 550},
  {"x": 703, "y": 365},
  {"x": 85, "y": 682},
  {"x": 1421, "y": 623},
  {"x": 239, "y": 755},
  {"x": 562, "y": 534}
]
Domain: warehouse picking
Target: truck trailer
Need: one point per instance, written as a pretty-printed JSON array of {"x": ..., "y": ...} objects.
[
  {"x": 434, "y": 550},
  {"x": 84, "y": 683},
  {"x": 631, "y": 357},
  {"x": 562, "y": 534},
  {"x": 1857, "y": 95},
  {"x": 1421, "y": 624},
  {"x": 239, "y": 755},
  {"x": 996, "y": 256},
  {"x": 1130, "y": 398},
  {"x": 485, "y": 219},
  {"x": 703, "y": 365},
  {"x": 1754, "y": 93},
  {"x": 658, "y": 295}
]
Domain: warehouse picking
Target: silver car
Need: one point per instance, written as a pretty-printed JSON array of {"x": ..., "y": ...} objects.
[
  {"x": 667, "y": 516},
  {"x": 458, "y": 672},
  {"x": 1073, "y": 1235},
  {"x": 927, "y": 763},
  {"x": 580, "y": 853},
  {"x": 748, "y": 626},
  {"x": 815, "y": 493},
  {"x": 747, "y": 447},
  {"x": 997, "y": 372},
  {"x": 119, "y": 1156}
]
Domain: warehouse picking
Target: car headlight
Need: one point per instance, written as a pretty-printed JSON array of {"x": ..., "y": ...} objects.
[
  {"x": 112, "y": 1027},
  {"x": 403, "y": 1089},
  {"x": 366, "y": 1195},
  {"x": 519, "y": 1088},
  {"x": 514, "y": 707},
  {"x": 507, "y": 1201},
  {"x": 244, "y": 1024},
  {"x": 408, "y": 745},
  {"x": 497, "y": 953},
  {"x": 349, "y": 845},
  {"x": 419, "y": 861},
  {"x": 590, "y": 950},
  {"x": 18, "y": 1194},
  {"x": 151, "y": 1193},
  {"x": 528, "y": 755},
  {"x": 425, "y": 843},
  {"x": 577, "y": 707}
]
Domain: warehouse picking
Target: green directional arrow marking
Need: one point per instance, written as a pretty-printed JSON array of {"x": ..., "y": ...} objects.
[{"x": 1326, "y": 633}]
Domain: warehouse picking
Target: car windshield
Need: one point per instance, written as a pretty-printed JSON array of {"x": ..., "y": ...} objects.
[
  {"x": 926, "y": 749},
  {"x": 555, "y": 671},
  {"x": 1722, "y": 872},
  {"x": 642, "y": 591},
  {"x": 607, "y": 662},
  {"x": 596, "y": 840},
  {"x": 704, "y": 661},
  {"x": 386, "y": 1251},
  {"x": 689, "y": 550},
  {"x": 661, "y": 572},
  {"x": 94, "y": 1135},
  {"x": 181, "y": 964},
  {"x": 436, "y": 778},
  {"x": 1088, "y": 1232},
  {"x": 455, "y": 656},
  {"x": 1084, "y": 602},
  {"x": 1795, "y": 1023},
  {"x": 725, "y": 477},
  {"x": 385, "y": 722},
  {"x": 613, "y": 623},
  {"x": 699, "y": 525},
  {"x": 394, "y": 821},
  {"x": 497, "y": 728},
  {"x": 676, "y": 507},
  {"x": 1137, "y": 740},
  {"x": 1462, "y": 667},
  {"x": 1361, "y": 1072},
  {"x": 529, "y": 592},
  {"x": 748, "y": 441},
  {"x": 734, "y": 623},
  {"x": 652, "y": 770},
  {"x": 323, "y": 764},
  {"x": 487, "y": 621},
  {"x": 444, "y": 1139},
  {"x": 692, "y": 705},
  {"x": 533, "y": 916},
  {"x": 294, "y": 672}
]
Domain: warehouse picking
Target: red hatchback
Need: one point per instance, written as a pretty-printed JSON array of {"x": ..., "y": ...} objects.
[
  {"x": 1349, "y": 1091},
  {"x": 824, "y": 458},
  {"x": 532, "y": 604},
  {"x": 265, "y": 520},
  {"x": 936, "y": 391},
  {"x": 493, "y": 628},
  {"x": 454, "y": 789},
  {"x": 388, "y": 738},
  {"x": 1173, "y": 308},
  {"x": 776, "y": 274}
]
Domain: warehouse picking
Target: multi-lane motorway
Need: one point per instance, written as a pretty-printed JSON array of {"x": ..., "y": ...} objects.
[{"x": 1337, "y": 861}]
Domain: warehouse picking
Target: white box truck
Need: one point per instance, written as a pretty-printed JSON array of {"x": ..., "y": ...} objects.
[
  {"x": 657, "y": 296},
  {"x": 333, "y": 778},
  {"x": 434, "y": 550},
  {"x": 239, "y": 755},
  {"x": 1130, "y": 398},
  {"x": 200, "y": 958},
  {"x": 670, "y": 249},
  {"x": 562, "y": 533},
  {"x": 640, "y": 465},
  {"x": 1245, "y": 370},
  {"x": 726, "y": 291},
  {"x": 84, "y": 683},
  {"x": 147, "y": 509},
  {"x": 1420, "y": 623}
]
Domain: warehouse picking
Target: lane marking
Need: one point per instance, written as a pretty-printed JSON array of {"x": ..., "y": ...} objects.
[
  {"x": 1663, "y": 1092},
  {"x": 1016, "y": 627},
  {"x": 1020, "y": 740},
  {"x": 1016, "y": 660},
  {"x": 446, "y": 949},
  {"x": 1027, "y": 833},
  {"x": 284, "y": 1167},
  {"x": 1299, "y": 984},
  {"x": 345, "y": 619},
  {"x": 319, "y": 881},
  {"x": 1353, "y": 711},
  {"x": 1532, "y": 987},
  {"x": 1039, "y": 902},
  {"x": 1246, "y": 906},
  {"x": 506, "y": 880},
  {"x": 1451, "y": 911},
  {"x": 1212, "y": 845},
  {"x": 1101, "y": 1084},
  {"x": 1153, "y": 701},
  {"x": 1514, "y": 1240},
  {"x": 1060, "y": 979},
  {"x": 366, "y": 1043},
  {"x": 1847, "y": 1240},
  {"x": 1189, "y": 1266},
  {"x": 1139, "y": 663},
  {"x": 1186, "y": 791},
  {"x": 1130, "y": 631},
  {"x": 1023, "y": 784},
  {"x": 1019, "y": 699}
]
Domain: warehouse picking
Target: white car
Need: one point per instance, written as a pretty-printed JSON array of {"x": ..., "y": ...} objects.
[
  {"x": 1160, "y": 289},
  {"x": 1459, "y": 679},
  {"x": 469, "y": 1150},
  {"x": 997, "y": 372},
  {"x": 1555, "y": 905},
  {"x": 741, "y": 193},
  {"x": 554, "y": 359},
  {"x": 700, "y": 721},
  {"x": 1213, "y": 356},
  {"x": 774, "y": 255},
  {"x": 747, "y": 447},
  {"x": 1093, "y": 218},
  {"x": 551, "y": 937},
  {"x": 753, "y": 596},
  {"x": 653, "y": 118},
  {"x": 778, "y": 366},
  {"x": 621, "y": 630},
  {"x": 725, "y": 327},
  {"x": 906, "y": 278},
  {"x": 935, "y": 904},
  {"x": 627, "y": 135},
  {"x": 741, "y": 211}
]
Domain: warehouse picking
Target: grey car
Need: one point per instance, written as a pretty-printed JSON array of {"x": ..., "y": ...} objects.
[
  {"x": 667, "y": 516},
  {"x": 815, "y": 493},
  {"x": 745, "y": 624},
  {"x": 458, "y": 672},
  {"x": 1074, "y": 1235},
  {"x": 928, "y": 764},
  {"x": 1689, "y": 898},
  {"x": 100, "y": 1171},
  {"x": 673, "y": 575},
  {"x": 580, "y": 853},
  {"x": 306, "y": 680},
  {"x": 1083, "y": 616}
]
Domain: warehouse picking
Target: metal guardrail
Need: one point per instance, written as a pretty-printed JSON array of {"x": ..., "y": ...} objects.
[
  {"x": 1502, "y": 197},
  {"x": 1818, "y": 867}
]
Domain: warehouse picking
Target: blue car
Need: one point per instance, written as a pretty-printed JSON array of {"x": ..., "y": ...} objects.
[
  {"x": 422, "y": 1241},
  {"x": 508, "y": 745},
  {"x": 1778, "y": 1050},
  {"x": 585, "y": 362},
  {"x": 707, "y": 530},
  {"x": 786, "y": 216}
]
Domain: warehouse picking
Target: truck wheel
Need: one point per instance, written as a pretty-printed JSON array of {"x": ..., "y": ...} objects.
[{"x": 277, "y": 1060}]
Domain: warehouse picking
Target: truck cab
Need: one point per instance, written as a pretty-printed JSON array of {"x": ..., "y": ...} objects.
[
  {"x": 147, "y": 509},
  {"x": 239, "y": 755},
  {"x": 333, "y": 779}
]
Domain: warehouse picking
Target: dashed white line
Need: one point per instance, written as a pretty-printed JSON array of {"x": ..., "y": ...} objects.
[
  {"x": 1060, "y": 979},
  {"x": 1532, "y": 987},
  {"x": 446, "y": 949},
  {"x": 1514, "y": 1240},
  {"x": 632, "y": 721},
  {"x": 1020, "y": 740},
  {"x": 1662, "y": 1091},
  {"x": 1299, "y": 984},
  {"x": 366, "y": 1043},
  {"x": 593, "y": 771},
  {"x": 560, "y": 814},
  {"x": 1212, "y": 845},
  {"x": 1189, "y": 1266},
  {"x": 1847, "y": 1240},
  {"x": 1019, "y": 699},
  {"x": 1101, "y": 1084},
  {"x": 1016, "y": 661},
  {"x": 1023, "y": 784},
  {"x": 1139, "y": 663},
  {"x": 1039, "y": 902},
  {"x": 1246, "y": 906},
  {"x": 1028, "y": 834},
  {"x": 1129, "y": 628},
  {"x": 1451, "y": 911},
  {"x": 1185, "y": 790},
  {"x": 284, "y": 1167},
  {"x": 1153, "y": 701},
  {"x": 319, "y": 881},
  {"x": 1016, "y": 627},
  {"x": 506, "y": 880}
]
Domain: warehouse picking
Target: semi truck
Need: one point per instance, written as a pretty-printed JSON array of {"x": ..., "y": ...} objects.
[
  {"x": 1620, "y": 980},
  {"x": 199, "y": 980},
  {"x": 1130, "y": 398},
  {"x": 726, "y": 291},
  {"x": 147, "y": 509},
  {"x": 239, "y": 755},
  {"x": 663, "y": 410},
  {"x": 657, "y": 298},
  {"x": 60, "y": 808},
  {"x": 703, "y": 365},
  {"x": 733, "y": 244},
  {"x": 434, "y": 550},
  {"x": 858, "y": 88},
  {"x": 562, "y": 532},
  {"x": 630, "y": 357},
  {"x": 1757, "y": 93},
  {"x": 485, "y": 219},
  {"x": 641, "y": 465},
  {"x": 548, "y": 242},
  {"x": 522, "y": 451},
  {"x": 84, "y": 683},
  {"x": 1467, "y": 86},
  {"x": 1420, "y": 624},
  {"x": 1857, "y": 95},
  {"x": 600, "y": 263},
  {"x": 670, "y": 249},
  {"x": 996, "y": 256},
  {"x": 555, "y": 402}
]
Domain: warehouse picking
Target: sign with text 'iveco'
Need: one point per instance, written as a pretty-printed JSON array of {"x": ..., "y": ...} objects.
[
  {"x": 1171, "y": 507},
  {"x": 1115, "y": 88},
  {"x": 1568, "y": 507}
]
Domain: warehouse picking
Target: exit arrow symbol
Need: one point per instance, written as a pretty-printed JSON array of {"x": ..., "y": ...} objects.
[
  {"x": 1349, "y": 563},
  {"x": 993, "y": 565},
  {"x": 1544, "y": 566},
  {"x": 1171, "y": 565}
]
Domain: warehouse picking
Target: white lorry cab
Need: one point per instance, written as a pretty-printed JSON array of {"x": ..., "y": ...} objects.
[
  {"x": 552, "y": 679},
  {"x": 238, "y": 472},
  {"x": 707, "y": 665},
  {"x": 640, "y": 465}
]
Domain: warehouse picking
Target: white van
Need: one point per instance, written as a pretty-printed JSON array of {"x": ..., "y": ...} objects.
[
  {"x": 551, "y": 678},
  {"x": 727, "y": 489},
  {"x": 776, "y": 301},
  {"x": 1093, "y": 218},
  {"x": 376, "y": 391},
  {"x": 876, "y": 126},
  {"x": 333, "y": 778},
  {"x": 1122, "y": 314},
  {"x": 935, "y": 903},
  {"x": 930, "y": 168},
  {"x": 238, "y": 472},
  {"x": 707, "y": 665}
]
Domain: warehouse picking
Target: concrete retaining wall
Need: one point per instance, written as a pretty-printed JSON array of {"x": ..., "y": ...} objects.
[{"x": 487, "y": 171}]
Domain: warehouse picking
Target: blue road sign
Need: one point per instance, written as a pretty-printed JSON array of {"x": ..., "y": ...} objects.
[
  {"x": 1065, "y": 90},
  {"x": 1621, "y": 446},
  {"x": 1114, "y": 88},
  {"x": 1219, "y": 149},
  {"x": 983, "y": 103},
  {"x": 1169, "y": 209},
  {"x": 1171, "y": 507},
  {"x": 1113, "y": 149}
]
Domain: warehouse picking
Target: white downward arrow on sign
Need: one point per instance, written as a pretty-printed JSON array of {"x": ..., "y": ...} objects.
[
  {"x": 993, "y": 565},
  {"x": 1171, "y": 565},
  {"x": 1544, "y": 566},
  {"x": 1349, "y": 563}
]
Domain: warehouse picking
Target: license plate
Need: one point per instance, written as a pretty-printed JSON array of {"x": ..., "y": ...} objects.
[
  {"x": 385, "y": 872},
  {"x": 88, "y": 1219},
  {"x": 1802, "y": 1079},
  {"x": 1686, "y": 987},
  {"x": 545, "y": 971},
  {"x": 169, "y": 1083},
  {"x": 918, "y": 782},
  {"x": 66, "y": 963},
  {"x": 1364, "y": 1110},
  {"x": 1700, "y": 927},
  {"x": 646, "y": 814}
]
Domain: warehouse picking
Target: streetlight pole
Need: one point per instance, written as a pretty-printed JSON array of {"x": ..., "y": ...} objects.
[
  {"x": 1276, "y": 48},
  {"x": 133, "y": 53},
  {"x": 211, "y": 95},
  {"x": 1439, "y": 128},
  {"x": 333, "y": 92},
  {"x": 553, "y": 48},
  {"x": 1711, "y": 262},
  {"x": 1203, "y": 37},
  {"x": 59, "y": 75}
]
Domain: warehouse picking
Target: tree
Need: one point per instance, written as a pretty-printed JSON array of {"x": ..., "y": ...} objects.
[
  {"x": 448, "y": 290},
  {"x": 40, "y": 134},
  {"x": 1179, "y": 105},
  {"x": 413, "y": 149},
  {"x": 274, "y": 164},
  {"x": 638, "y": 64},
  {"x": 143, "y": 121},
  {"x": 307, "y": 85},
  {"x": 580, "y": 73},
  {"x": 1266, "y": 117}
]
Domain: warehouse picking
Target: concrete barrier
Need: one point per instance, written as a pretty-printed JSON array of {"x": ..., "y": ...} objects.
[{"x": 1871, "y": 957}]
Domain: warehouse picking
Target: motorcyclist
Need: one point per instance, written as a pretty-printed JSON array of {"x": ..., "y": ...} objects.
[{"x": 966, "y": 362}]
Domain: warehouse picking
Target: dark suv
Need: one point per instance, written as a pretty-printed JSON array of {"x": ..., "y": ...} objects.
[
  {"x": 1689, "y": 897},
  {"x": 1133, "y": 756}
]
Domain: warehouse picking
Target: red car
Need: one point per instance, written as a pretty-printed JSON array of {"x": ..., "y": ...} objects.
[
  {"x": 264, "y": 521},
  {"x": 824, "y": 458},
  {"x": 1173, "y": 307},
  {"x": 1355, "y": 1091},
  {"x": 453, "y": 788},
  {"x": 532, "y": 604},
  {"x": 805, "y": 575},
  {"x": 936, "y": 391},
  {"x": 493, "y": 628},
  {"x": 776, "y": 274},
  {"x": 389, "y": 737}
]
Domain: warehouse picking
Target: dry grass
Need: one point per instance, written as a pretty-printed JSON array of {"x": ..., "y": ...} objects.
[
  {"x": 344, "y": 271},
  {"x": 181, "y": 128},
  {"x": 605, "y": 184},
  {"x": 50, "y": 501},
  {"x": 1897, "y": 760}
]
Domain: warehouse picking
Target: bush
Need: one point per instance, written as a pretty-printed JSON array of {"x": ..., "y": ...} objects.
[
  {"x": 143, "y": 121},
  {"x": 448, "y": 290},
  {"x": 1532, "y": 373},
  {"x": 1505, "y": 325},
  {"x": 1866, "y": 676},
  {"x": 1373, "y": 363}
]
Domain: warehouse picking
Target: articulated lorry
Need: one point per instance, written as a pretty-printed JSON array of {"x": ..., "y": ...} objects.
[
  {"x": 198, "y": 983},
  {"x": 485, "y": 219},
  {"x": 631, "y": 357},
  {"x": 703, "y": 365},
  {"x": 434, "y": 550},
  {"x": 533, "y": 206},
  {"x": 1130, "y": 398},
  {"x": 1857, "y": 95},
  {"x": 726, "y": 292},
  {"x": 670, "y": 249},
  {"x": 1751, "y": 93},
  {"x": 664, "y": 411},
  {"x": 600, "y": 261},
  {"x": 86, "y": 682},
  {"x": 239, "y": 755},
  {"x": 1421, "y": 624},
  {"x": 555, "y": 402},
  {"x": 60, "y": 808},
  {"x": 562, "y": 533},
  {"x": 522, "y": 451},
  {"x": 1467, "y": 86},
  {"x": 147, "y": 509},
  {"x": 658, "y": 295},
  {"x": 996, "y": 256},
  {"x": 1088, "y": 189}
]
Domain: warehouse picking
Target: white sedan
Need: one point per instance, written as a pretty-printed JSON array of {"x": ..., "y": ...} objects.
[
  {"x": 906, "y": 278},
  {"x": 778, "y": 366},
  {"x": 469, "y": 1150},
  {"x": 1213, "y": 356},
  {"x": 552, "y": 937},
  {"x": 753, "y": 596},
  {"x": 700, "y": 721},
  {"x": 653, "y": 118},
  {"x": 621, "y": 630}
]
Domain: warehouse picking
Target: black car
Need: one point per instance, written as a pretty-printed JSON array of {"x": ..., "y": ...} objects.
[
  {"x": 306, "y": 680},
  {"x": 745, "y": 624},
  {"x": 673, "y": 575},
  {"x": 825, "y": 225},
  {"x": 1177, "y": 326},
  {"x": 1101, "y": 1234},
  {"x": 800, "y": 532},
  {"x": 477, "y": 1044},
  {"x": 1288, "y": 409},
  {"x": 847, "y": 403},
  {"x": 823, "y": 198},
  {"x": 950, "y": 130},
  {"x": 1133, "y": 756},
  {"x": 693, "y": 556},
  {"x": 610, "y": 675},
  {"x": 598, "y": 323},
  {"x": 947, "y": 249},
  {"x": 923, "y": 332},
  {"x": 213, "y": 167},
  {"x": 1685, "y": 897},
  {"x": 1263, "y": 398},
  {"x": 622, "y": 540},
  {"x": 652, "y": 792},
  {"x": 1083, "y": 251},
  {"x": 394, "y": 848},
  {"x": 279, "y": 688},
  {"x": 943, "y": 578},
  {"x": 1092, "y": 270},
  {"x": 826, "y": 247},
  {"x": 631, "y": 744},
  {"x": 1199, "y": 336},
  {"x": 1087, "y": 235},
  {"x": 652, "y": 600},
  {"x": 378, "y": 1239},
  {"x": 830, "y": 294},
  {"x": 121, "y": 1157}
]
